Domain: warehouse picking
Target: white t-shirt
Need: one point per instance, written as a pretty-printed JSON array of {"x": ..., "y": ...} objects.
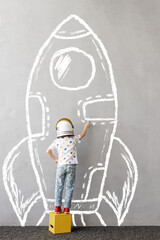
[{"x": 67, "y": 149}]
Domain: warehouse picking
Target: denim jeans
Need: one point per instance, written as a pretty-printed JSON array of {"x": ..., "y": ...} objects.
[{"x": 65, "y": 174}]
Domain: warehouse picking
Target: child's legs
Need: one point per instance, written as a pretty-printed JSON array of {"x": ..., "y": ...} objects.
[
  {"x": 70, "y": 181},
  {"x": 60, "y": 179}
]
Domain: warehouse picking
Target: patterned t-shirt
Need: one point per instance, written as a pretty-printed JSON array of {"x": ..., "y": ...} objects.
[{"x": 67, "y": 149}]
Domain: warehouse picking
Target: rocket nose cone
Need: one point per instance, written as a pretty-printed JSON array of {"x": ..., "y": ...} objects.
[{"x": 71, "y": 28}]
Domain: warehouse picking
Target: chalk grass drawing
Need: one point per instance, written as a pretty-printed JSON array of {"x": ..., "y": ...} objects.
[{"x": 58, "y": 63}]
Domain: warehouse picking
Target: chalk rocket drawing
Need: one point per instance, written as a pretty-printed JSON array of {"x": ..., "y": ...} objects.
[{"x": 71, "y": 77}]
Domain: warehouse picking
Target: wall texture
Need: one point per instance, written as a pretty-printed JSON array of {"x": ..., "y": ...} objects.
[{"x": 85, "y": 60}]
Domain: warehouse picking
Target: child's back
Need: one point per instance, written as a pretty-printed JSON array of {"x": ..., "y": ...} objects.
[{"x": 66, "y": 149}]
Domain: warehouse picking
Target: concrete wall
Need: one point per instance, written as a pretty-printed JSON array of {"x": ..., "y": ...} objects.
[{"x": 85, "y": 60}]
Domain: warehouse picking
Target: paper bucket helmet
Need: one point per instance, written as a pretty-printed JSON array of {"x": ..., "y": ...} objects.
[{"x": 64, "y": 127}]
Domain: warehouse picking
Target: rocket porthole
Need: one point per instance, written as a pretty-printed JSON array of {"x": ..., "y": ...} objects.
[{"x": 72, "y": 69}]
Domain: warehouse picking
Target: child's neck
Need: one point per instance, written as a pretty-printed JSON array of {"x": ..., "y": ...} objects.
[{"x": 69, "y": 136}]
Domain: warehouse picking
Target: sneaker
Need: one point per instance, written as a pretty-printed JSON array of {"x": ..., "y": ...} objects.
[
  {"x": 58, "y": 210},
  {"x": 66, "y": 210}
]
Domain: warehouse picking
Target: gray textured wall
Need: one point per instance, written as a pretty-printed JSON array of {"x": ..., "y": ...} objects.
[{"x": 120, "y": 156}]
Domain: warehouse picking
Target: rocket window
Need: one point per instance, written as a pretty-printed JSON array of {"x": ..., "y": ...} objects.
[
  {"x": 72, "y": 69},
  {"x": 36, "y": 103}
]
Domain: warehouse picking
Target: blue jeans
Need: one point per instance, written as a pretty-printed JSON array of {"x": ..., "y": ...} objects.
[{"x": 64, "y": 173}]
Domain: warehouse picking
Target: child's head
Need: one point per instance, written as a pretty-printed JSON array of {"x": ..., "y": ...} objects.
[{"x": 64, "y": 127}]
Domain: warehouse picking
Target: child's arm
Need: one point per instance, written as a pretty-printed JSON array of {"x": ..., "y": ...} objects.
[
  {"x": 83, "y": 133},
  {"x": 49, "y": 152}
]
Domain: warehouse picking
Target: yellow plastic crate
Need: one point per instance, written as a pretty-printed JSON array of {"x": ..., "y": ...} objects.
[{"x": 60, "y": 223}]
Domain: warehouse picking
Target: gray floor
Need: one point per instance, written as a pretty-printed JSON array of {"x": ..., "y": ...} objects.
[{"x": 85, "y": 233}]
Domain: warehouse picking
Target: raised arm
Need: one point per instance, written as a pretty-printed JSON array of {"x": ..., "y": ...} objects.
[{"x": 83, "y": 133}]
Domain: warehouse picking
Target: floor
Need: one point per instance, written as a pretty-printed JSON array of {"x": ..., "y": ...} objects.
[{"x": 85, "y": 233}]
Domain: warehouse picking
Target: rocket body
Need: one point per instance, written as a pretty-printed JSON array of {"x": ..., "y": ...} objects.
[{"x": 72, "y": 77}]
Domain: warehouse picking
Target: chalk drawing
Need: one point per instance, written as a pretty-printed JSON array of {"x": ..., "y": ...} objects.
[
  {"x": 63, "y": 67},
  {"x": 59, "y": 67}
]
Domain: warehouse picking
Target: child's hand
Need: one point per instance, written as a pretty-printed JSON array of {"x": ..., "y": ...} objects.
[
  {"x": 87, "y": 125},
  {"x": 56, "y": 160},
  {"x": 83, "y": 133}
]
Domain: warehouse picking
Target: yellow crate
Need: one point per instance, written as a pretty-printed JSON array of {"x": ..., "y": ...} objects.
[{"x": 60, "y": 223}]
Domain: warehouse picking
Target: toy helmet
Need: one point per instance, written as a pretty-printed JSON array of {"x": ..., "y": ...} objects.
[{"x": 64, "y": 127}]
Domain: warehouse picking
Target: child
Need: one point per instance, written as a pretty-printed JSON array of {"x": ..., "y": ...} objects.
[{"x": 66, "y": 146}]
